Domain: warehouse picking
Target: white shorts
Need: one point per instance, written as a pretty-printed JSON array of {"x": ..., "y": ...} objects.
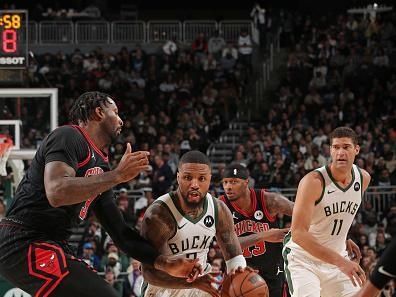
[
  {"x": 153, "y": 291},
  {"x": 314, "y": 278}
]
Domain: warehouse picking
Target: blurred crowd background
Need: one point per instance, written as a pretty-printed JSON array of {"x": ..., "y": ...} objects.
[{"x": 337, "y": 70}]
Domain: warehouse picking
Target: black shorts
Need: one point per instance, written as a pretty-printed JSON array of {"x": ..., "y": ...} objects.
[
  {"x": 276, "y": 286},
  {"x": 42, "y": 268}
]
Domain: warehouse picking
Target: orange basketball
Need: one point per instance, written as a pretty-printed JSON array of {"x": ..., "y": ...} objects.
[{"x": 244, "y": 284}]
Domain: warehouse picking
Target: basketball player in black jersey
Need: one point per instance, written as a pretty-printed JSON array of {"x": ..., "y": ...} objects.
[
  {"x": 254, "y": 212},
  {"x": 68, "y": 177}
]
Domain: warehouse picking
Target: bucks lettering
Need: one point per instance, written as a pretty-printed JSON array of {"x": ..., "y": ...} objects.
[
  {"x": 340, "y": 207},
  {"x": 189, "y": 243}
]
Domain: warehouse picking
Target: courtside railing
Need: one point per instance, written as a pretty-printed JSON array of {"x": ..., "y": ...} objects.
[{"x": 103, "y": 32}]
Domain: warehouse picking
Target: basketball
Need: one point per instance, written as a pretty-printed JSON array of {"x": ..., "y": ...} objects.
[{"x": 244, "y": 284}]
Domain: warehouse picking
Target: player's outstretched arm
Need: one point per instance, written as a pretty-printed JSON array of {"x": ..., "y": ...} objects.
[
  {"x": 131, "y": 242},
  {"x": 271, "y": 235},
  {"x": 62, "y": 187}
]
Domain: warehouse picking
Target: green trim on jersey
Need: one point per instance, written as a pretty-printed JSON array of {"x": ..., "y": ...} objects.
[
  {"x": 216, "y": 209},
  {"x": 323, "y": 187},
  {"x": 361, "y": 181},
  {"x": 285, "y": 252},
  {"x": 174, "y": 198},
  {"x": 143, "y": 289},
  {"x": 337, "y": 185}
]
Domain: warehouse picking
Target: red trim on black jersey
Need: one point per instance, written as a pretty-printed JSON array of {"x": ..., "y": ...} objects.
[
  {"x": 86, "y": 136},
  {"x": 48, "y": 262},
  {"x": 263, "y": 203},
  {"x": 254, "y": 205},
  {"x": 85, "y": 162}
]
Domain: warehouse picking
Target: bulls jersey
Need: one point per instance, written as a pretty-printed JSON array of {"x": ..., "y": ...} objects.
[
  {"x": 334, "y": 212},
  {"x": 68, "y": 144},
  {"x": 264, "y": 256}
]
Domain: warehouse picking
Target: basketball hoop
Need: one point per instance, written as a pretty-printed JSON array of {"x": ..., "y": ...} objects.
[{"x": 5, "y": 149}]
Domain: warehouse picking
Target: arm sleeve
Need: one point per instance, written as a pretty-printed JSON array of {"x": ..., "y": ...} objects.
[
  {"x": 67, "y": 145},
  {"x": 126, "y": 238},
  {"x": 385, "y": 269}
]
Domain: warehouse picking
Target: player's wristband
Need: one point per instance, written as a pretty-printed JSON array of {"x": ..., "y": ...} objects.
[{"x": 237, "y": 261}]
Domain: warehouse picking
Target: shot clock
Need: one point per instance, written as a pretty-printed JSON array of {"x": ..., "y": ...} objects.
[{"x": 14, "y": 39}]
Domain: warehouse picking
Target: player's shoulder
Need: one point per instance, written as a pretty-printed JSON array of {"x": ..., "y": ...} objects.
[
  {"x": 67, "y": 131},
  {"x": 313, "y": 178},
  {"x": 365, "y": 176},
  {"x": 158, "y": 211}
]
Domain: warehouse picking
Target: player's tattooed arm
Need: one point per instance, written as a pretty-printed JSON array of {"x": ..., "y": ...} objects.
[
  {"x": 278, "y": 204},
  {"x": 158, "y": 225},
  {"x": 225, "y": 234}
]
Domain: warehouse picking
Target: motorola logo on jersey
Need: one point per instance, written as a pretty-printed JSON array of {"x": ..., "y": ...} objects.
[
  {"x": 209, "y": 221},
  {"x": 356, "y": 186},
  {"x": 258, "y": 215}
]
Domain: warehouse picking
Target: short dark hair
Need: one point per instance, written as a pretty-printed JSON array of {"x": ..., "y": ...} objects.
[
  {"x": 84, "y": 107},
  {"x": 341, "y": 132},
  {"x": 196, "y": 157}
]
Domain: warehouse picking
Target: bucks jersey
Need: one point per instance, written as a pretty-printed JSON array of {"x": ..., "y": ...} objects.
[
  {"x": 192, "y": 239},
  {"x": 334, "y": 211}
]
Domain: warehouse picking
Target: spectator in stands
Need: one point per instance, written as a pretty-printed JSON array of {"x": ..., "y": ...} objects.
[
  {"x": 123, "y": 203},
  {"x": 199, "y": 46},
  {"x": 314, "y": 156},
  {"x": 162, "y": 177},
  {"x": 216, "y": 44},
  {"x": 133, "y": 280},
  {"x": 245, "y": 49},
  {"x": 89, "y": 255},
  {"x": 259, "y": 20},
  {"x": 170, "y": 48},
  {"x": 111, "y": 278}
]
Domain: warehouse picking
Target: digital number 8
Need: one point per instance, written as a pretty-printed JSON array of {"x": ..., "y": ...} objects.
[{"x": 9, "y": 41}]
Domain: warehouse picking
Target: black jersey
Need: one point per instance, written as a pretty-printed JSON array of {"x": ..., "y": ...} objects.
[
  {"x": 385, "y": 270},
  {"x": 69, "y": 144},
  {"x": 263, "y": 256}
]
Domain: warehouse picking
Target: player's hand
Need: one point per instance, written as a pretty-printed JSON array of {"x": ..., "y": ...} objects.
[
  {"x": 353, "y": 271},
  {"x": 132, "y": 163},
  {"x": 353, "y": 251},
  {"x": 241, "y": 269},
  {"x": 179, "y": 267},
  {"x": 206, "y": 283},
  {"x": 274, "y": 235}
]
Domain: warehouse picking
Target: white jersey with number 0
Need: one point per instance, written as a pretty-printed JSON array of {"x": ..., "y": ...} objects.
[{"x": 192, "y": 239}]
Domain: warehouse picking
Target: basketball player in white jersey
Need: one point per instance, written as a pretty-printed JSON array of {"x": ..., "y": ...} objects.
[
  {"x": 315, "y": 251},
  {"x": 183, "y": 223}
]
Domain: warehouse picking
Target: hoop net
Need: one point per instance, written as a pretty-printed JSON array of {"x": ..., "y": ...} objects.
[{"x": 5, "y": 149}]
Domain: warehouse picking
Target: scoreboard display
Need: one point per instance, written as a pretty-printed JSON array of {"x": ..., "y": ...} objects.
[{"x": 14, "y": 39}]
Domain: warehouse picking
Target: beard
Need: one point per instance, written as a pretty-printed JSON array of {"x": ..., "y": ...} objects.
[{"x": 195, "y": 203}]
